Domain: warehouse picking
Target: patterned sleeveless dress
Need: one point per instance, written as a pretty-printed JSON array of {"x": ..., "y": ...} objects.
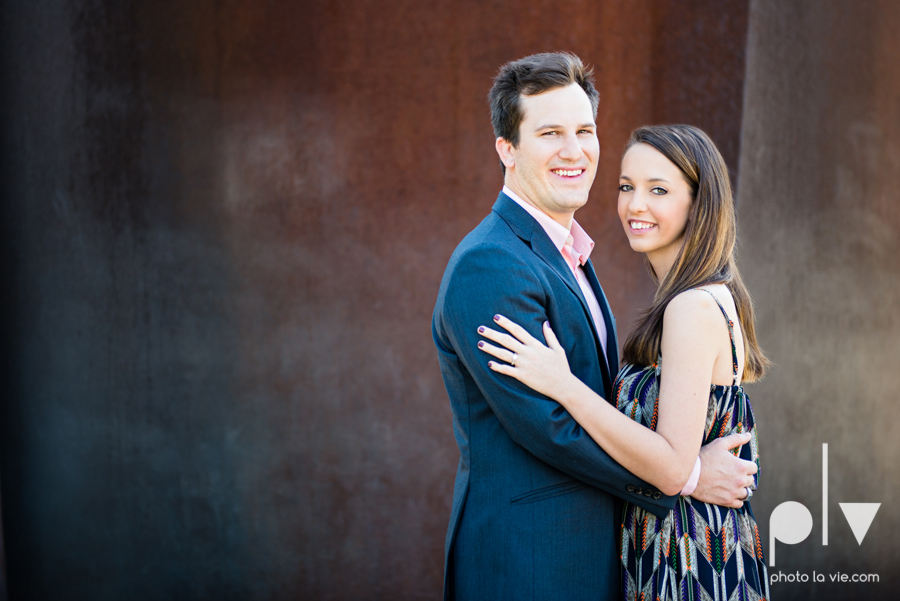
[{"x": 698, "y": 551}]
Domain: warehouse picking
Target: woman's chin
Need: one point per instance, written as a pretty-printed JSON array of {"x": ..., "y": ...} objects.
[{"x": 639, "y": 246}]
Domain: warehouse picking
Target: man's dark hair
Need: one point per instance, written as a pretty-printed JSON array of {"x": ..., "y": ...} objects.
[{"x": 531, "y": 76}]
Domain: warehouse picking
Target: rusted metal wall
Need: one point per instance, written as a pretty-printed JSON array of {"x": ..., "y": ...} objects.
[
  {"x": 3, "y": 592},
  {"x": 818, "y": 222},
  {"x": 224, "y": 225}
]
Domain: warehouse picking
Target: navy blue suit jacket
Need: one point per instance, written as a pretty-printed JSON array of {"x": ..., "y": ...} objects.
[{"x": 533, "y": 514}]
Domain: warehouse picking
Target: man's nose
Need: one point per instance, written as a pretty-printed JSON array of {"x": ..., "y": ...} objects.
[{"x": 571, "y": 149}]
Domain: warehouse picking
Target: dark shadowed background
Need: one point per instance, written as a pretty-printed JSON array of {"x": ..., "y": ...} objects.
[{"x": 223, "y": 228}]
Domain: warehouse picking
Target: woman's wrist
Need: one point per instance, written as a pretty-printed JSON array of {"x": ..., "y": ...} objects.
[{"x": 571, "y": 391}]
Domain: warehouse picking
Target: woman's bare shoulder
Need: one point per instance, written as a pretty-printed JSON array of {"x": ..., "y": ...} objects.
[
  {"x": 695, "y": 301},
  {"x": 693, "y": 312}
]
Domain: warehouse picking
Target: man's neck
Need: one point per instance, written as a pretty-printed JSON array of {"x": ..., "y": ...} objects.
[{"x": 564, "y": 219}]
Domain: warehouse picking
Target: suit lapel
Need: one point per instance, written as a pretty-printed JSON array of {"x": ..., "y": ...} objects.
[
  {"x": 530, "y": 230},
  {"x": 612, "y": 339}
]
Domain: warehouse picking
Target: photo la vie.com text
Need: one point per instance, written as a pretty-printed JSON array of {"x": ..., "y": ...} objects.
[{"x": 791, "y": 523}]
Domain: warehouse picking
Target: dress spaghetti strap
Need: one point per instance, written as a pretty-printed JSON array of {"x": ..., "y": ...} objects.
[{"x": 734, "y": 360}]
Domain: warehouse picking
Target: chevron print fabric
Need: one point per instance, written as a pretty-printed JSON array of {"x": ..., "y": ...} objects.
[{"x": 698, "y": 552}]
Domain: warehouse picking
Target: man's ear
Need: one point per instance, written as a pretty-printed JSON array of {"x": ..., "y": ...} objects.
[{"x": 506, "y": 152}]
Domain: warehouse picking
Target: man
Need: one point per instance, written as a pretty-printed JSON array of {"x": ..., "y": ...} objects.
[{"x": 533, "y": 513}]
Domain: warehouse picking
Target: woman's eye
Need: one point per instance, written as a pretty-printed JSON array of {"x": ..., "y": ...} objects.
[
  {"x": 549, "y": 133},
  {"x": 659, "y": 191},
  {"x": 625, "y": 188}
]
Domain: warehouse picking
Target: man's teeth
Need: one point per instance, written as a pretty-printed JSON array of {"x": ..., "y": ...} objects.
[
  {"x": 639, "y": 225},
  {"x": 568, "y": 173}
]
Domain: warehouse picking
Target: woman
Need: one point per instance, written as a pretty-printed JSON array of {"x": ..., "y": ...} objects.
[{"x": 676, "y": 206}]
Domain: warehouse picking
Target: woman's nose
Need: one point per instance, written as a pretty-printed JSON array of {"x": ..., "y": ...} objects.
[{"x": 637, "y": 203}]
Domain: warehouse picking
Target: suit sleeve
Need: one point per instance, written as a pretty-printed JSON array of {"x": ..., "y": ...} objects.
[{"x": 488, "y": 280}]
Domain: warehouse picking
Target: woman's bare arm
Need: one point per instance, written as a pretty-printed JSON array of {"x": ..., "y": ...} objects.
[{"x": 692, "y": 335}]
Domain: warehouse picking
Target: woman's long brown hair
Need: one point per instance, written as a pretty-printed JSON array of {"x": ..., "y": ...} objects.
[{"x": 708, "y": 254}]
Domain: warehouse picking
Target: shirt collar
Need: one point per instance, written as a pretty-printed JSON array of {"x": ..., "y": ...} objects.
[
  {"x": 558, "y": 234},
  {"x": 581, "y": 242}
]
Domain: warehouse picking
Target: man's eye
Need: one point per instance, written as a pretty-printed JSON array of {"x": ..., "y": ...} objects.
[
  {"x": 659, "y": 191},
  {"x": 626, "y": 188},
  {"x": 549, "y": 133}
]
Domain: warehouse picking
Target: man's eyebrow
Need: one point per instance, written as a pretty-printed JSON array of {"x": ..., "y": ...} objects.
[{"x": 555, "y": 126}]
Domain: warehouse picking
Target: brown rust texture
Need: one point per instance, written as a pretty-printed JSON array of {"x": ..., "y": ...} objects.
[
  {"x": 226, "y": 223},
  {"x": 818, "y": 222}
]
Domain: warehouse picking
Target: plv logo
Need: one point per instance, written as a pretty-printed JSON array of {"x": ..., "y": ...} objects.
[{"x": 791, "y": 522}]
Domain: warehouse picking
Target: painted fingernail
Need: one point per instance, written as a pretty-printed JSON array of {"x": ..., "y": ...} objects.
[
  {"x": 480, "y": 344},
  {"x": 491, "y": 364},
  {"x": 546, "y": 324},
  {"x": 496, "y": 318},
  {"x": 481, "y": 329}
]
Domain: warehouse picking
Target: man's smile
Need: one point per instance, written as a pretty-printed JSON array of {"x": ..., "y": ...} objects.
[{"x": 568, "y": 172}]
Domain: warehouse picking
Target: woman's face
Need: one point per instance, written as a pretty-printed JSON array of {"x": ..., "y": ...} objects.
[{"x": 654, "y": 204}]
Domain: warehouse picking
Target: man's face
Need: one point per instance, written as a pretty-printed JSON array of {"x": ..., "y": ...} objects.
[{"x": 556, "y": 160}]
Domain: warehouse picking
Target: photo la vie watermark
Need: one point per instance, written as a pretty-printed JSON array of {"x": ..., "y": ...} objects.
[
  {"x": 776, "y": 577},
  {"x": 791, "y": 522}
]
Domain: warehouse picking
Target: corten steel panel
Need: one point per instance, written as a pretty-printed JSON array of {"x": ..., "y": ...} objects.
[
  {"x": 225, "y": 225},
  {"x": 818, "y": 223},
  {"x": 698, "y": 69},
  {"x": 3, "y": 593}
]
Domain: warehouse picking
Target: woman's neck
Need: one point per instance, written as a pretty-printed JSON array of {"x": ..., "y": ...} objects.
[{"x": 661, "y": 264}]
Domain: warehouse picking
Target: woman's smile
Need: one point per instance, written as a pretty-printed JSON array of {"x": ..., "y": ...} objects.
[{"x": 639, "y": 227}]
